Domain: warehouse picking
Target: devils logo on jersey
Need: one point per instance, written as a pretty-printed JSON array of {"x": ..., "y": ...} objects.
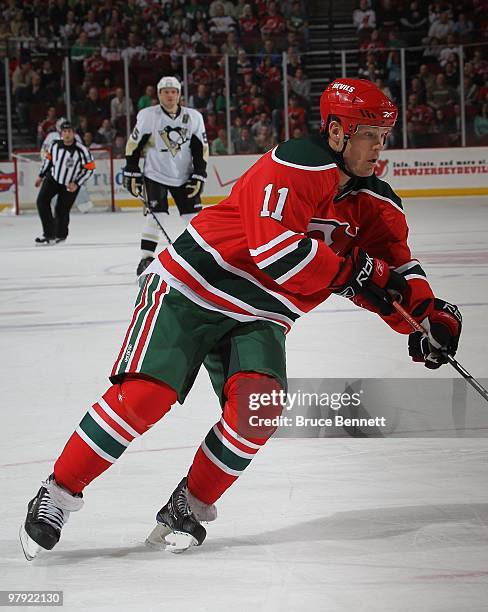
[
  {"x": 174, "y": 138},
  {"x": 336, "y": 234}
]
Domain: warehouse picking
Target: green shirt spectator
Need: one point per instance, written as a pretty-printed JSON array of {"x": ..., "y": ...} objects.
[
  {"x": 147, "y": 98},
  {"x": 219, "y": 145}
]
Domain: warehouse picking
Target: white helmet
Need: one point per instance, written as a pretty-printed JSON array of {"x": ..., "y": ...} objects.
[
  {"x": 59, "y": 123},
  {"x": 169, "y": 82}
]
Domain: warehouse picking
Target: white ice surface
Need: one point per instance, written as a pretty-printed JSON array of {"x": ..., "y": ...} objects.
[{"x": 336, "y": 525}]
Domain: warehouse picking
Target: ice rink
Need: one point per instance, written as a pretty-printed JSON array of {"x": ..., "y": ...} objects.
[{"x": 332, "y": 525}]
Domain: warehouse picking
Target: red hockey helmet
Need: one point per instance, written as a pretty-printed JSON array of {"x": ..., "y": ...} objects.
[{"x": 356, "y": 102}]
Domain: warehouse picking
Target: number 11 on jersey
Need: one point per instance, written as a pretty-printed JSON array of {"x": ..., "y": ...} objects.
[{"x": 277, "y": 213}]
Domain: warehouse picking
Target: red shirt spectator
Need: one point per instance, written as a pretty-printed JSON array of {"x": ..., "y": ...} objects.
[{"x": 273, "y": 22}]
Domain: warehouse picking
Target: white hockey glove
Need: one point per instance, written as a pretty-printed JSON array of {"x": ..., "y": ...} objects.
[
  {"x": 194, "y": 186},
  {"x": 132, "y": 179}
]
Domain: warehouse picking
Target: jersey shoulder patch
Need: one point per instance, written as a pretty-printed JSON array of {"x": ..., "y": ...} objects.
[
  {"x": 380, "y": 188},
  {"x": 307, "y": 153}
]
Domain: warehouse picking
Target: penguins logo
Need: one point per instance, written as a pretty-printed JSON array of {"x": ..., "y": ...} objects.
[
  {"x": 336, "y": 234},
  {"x": 174, "y": 138}
]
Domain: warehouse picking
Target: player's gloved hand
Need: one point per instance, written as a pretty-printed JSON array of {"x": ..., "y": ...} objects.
[
  {"x": 443, "y": 327},
  {"x": 369, "y": 282},
  {"x": 132, "y": 180},
  {"x": 193, "y": 187}
]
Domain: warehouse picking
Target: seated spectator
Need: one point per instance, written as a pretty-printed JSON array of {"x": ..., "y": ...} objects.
[
  {"x": 239, "y": 9},
  {"x": 294, "y": 61},
  {"x": 147, "y": 98},
  {"x": 480, "y": 65},
  {"x": 219, "y": 145},
  {"x": 69, "y": 30},
  {"x": 193, "y": 7},
  {"x": 211, "y": 126},
  {"x": 200, "y": 74},
  {"x": 92, "y": 106},
  {"x": 265, "y": 140},
  {"x": 46, "y": 125},
  {"x": 373, "y": 43},
  {"x": 387, "y": 16},
  {"x": 27, "y": 96},
  {"x": 82, "y": 48},
  {"x": 243, "y": 64},
  {"x": 82, "y": 126},
  {"x": 134, "y": 50},
  {"x": 105, "y": 135},
  {"x": 118, "y": 107},
  {"x": 272, "y": 23},
  {"x": 21, "y": 77},
  {"x": 440, "y": 28},
  {"x": 471, "y": 91},
  {"x": 245, "y": 144},
  {"x": 231, "y": 45},
  {"x": 110, "y": 52},
  {"x": 91, "y": 26},
  {"x": 463, "y": 28},
  {"x": 481, "y": 125},
  {"x": 451, "y": 72},
  {"x": 427, "y": 78},
  {"x": 417, "y": 88},
  {"x": 49, "y": 78},
  {"x": 432, "y": 51},
  {"x": 221, "y": 23},
  {"x": 270, "y": 79},
  {"x": 248, "y": 27},
  {"x": 200, "y": 100},
  {"x": 414, "y": 22},
  {"x": 364, "y": 18},
  {"x": 371, "y": 72},
  {"x": 296, "y": 114},
  {"x": 89, "y": 142},
  {"x": 441, "y": 94},
  {"x": 235, "y": 130},
  {"x": 217, "y": 6},
  {"x": 96, "y": 63},
  {"x": 419, "y": 118},
  {"x": 268, "y": 49},
  {"x": 297, "y": 23},
  {"x": 301, "y": 86},
  {"x": 202, "y": 46},
  {"x": 260, "y": 121},
  {"x": 118, "y": 148},
  {"x": 393, "y": 72},
  {"x": 439, "y": 129},
  {"x": 451, "y": 48}
]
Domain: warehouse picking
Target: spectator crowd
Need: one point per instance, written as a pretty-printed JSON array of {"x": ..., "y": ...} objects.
[
  {"x": 98, "y": 35},
  {"x": 434, "y": 89}
]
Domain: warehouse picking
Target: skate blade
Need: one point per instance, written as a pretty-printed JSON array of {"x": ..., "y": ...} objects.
[
  {"x": 30, "y": 548},
  {"x": 164, "y": 538}
]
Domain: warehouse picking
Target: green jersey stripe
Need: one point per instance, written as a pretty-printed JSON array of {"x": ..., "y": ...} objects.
[
  {"x": 229, "y": 283},
  {"x": 289, "y": 261},
  {"x": 101, "y": 438},
  {"x": 224, "y": 454}
]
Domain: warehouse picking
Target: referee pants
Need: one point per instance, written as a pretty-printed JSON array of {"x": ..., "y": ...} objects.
[{"x": 57, "y": 226}]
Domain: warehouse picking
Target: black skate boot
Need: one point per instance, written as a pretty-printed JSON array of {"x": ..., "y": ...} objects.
[
  {"x": 43, "y": 241},
  {"x": 46, "y": 515},
  {"x": 179, "y": 525},
  {"x": 143, "y": 264}
]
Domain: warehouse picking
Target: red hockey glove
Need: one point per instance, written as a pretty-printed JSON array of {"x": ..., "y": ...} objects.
[
  {"x": 368, "y": 282},
  {"x": 443, "y": 326}
]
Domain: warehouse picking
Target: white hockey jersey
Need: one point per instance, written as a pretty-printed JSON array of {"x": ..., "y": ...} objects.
[{"x": 174, "y": 149}]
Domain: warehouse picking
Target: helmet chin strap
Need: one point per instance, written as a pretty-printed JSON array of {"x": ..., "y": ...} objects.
[{"x": 339, "y": 157}]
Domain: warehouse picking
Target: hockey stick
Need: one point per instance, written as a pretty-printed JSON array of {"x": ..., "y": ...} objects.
[
  {"x": 455, "y": 364},
  {"x": 142, "y": 196}
]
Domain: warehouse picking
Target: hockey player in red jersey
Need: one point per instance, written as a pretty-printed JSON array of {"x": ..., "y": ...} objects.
[{"x": 310, "y": 218}]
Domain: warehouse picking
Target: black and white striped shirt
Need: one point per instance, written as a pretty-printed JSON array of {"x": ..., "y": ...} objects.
[{"x": 68, "y": 164}]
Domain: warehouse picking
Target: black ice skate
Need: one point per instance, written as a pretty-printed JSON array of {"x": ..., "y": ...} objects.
[
  {"x": 143, "y": 264},
  {"x": 178, "y": 521},
  {"x": 46, "y": 515},
  {"x": 43, "y": 241}
]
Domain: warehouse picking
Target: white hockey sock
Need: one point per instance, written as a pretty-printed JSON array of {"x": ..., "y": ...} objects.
[{"x": 151, "y": 234}]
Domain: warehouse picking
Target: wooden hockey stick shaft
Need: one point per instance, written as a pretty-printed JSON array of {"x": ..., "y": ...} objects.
[{"x": 455, "y": 364}]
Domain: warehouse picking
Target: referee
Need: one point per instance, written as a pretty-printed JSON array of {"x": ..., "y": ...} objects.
[{"x": 67, "y": 165}]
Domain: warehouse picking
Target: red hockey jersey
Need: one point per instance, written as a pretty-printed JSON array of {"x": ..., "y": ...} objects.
[{"x": 271, "y": 249}]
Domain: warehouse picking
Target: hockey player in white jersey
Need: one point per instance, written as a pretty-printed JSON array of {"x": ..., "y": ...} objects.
[{"x": 173, "y": 141}]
